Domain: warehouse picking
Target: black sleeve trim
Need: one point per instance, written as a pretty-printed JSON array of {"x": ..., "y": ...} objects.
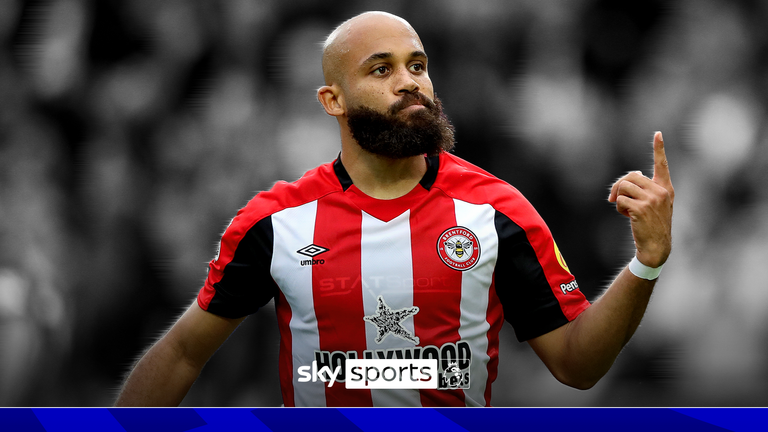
[
  {"x": 247, "y": 284},
  {"x": 523, "y": 290}
]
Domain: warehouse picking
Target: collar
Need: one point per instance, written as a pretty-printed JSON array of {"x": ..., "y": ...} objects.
[{"x": 433, "y": 163}]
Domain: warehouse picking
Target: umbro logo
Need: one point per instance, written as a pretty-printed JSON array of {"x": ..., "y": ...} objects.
[{"x": 312, "y": 251}]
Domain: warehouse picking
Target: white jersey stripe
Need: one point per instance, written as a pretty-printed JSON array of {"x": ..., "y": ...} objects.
[
  {"x": 475, "y": 284},
  {"x": 359, "y": 259},
  {"x": 294, "y": 229},
  {"x": 387, "y": 271}
]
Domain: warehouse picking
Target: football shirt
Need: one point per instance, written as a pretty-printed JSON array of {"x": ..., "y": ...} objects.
[{"x": 432, "y": 274}]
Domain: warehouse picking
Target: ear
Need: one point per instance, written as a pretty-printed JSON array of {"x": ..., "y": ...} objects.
[{"x": 332, "y": 100}]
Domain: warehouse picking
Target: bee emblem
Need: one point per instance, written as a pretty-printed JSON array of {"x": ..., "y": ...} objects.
[{"x": 459, "y": 248}]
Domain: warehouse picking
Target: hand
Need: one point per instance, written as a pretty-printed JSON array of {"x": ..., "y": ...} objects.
[{"x": 648, "y": 205}]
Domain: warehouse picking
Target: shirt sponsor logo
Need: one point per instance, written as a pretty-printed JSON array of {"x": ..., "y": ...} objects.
[
  {"x": 566, "y": 288},
  {"x": 453, "y": 362},
  {"x": 458, "y": 248},
  {"x": 343, "y": 284}
]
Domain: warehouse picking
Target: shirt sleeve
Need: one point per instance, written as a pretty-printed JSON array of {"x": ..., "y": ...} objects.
[
  {"x": 239, "y": 281},
  {"x": 535, "y": 287}
]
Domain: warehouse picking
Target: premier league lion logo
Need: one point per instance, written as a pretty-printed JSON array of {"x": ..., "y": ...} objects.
[{"x": 454, "y": 378}]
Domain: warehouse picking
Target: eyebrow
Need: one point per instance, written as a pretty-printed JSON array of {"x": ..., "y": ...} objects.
[{"x": 388, "y": 55}]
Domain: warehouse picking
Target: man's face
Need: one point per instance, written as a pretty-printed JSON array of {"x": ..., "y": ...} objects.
[
  {"x": 384, "y": 60},
  {"x": 390, "y": 104}
]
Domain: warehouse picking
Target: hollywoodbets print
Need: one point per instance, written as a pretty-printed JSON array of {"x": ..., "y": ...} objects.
[{"x": 453, "y": 361}]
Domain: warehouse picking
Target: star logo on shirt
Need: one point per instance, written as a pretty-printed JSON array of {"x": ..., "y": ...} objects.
[{"x": 389, "y": 321}]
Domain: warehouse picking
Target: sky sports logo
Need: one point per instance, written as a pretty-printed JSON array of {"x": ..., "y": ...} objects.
[{"x": 377, "y": 374}]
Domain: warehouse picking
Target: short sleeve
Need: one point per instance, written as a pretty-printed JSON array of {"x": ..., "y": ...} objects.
[
  {"x": 239, "y": 280},
  {"x": 535, "y": 287}
]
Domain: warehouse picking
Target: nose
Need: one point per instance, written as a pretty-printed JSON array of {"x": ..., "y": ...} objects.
[{"x": 406, "y": 83}]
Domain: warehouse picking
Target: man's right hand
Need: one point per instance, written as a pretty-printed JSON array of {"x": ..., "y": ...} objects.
[{"x": 648, "y": 205}]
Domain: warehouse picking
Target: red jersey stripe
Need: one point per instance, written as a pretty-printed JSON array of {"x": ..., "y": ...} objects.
[
  {"x": 285, "y": 359},
  {"x": 338, "y": 292},
  {"x": 435, "y": 283}
]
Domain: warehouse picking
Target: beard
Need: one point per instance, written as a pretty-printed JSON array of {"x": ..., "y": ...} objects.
[{"x": 424, "y": 131}]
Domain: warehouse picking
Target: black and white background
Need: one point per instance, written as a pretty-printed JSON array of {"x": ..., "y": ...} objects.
[{"x": 131, "y": 131}]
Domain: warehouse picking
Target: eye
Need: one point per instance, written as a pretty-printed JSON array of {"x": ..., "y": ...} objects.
[
  {"x": 418, "y": 67},
  {"x": 380, "y": 71}
]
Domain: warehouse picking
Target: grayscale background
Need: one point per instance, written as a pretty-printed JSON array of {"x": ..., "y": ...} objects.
[{"x": 131, "y": 131}]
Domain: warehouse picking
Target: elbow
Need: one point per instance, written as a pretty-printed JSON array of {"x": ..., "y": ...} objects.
[
  {"x": 581, "y": 384},
  {"x": 581, "y": 375},
  {"x": 580, "y": 380}
]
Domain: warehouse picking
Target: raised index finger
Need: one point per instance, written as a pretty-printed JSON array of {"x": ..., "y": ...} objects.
[{"x": 660, "y": 163}]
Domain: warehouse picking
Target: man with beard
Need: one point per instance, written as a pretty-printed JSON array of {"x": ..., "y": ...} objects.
[{"x": 401, "y": 250}]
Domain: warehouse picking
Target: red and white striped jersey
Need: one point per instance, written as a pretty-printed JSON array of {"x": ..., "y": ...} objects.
[{"x": 451, "y": 260}]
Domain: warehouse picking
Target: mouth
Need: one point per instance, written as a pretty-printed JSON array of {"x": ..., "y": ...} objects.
[
  {"x": 411, "y": 103},
  {"x": 413, "y": 107}
]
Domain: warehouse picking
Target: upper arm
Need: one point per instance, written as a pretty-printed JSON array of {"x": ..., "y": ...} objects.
[
  {"x": 551, "y": 348},
  {"x": 549, "y": 345},
  {"x": 572, "y": 360},
  {"x": 198, "y": 334},
  {"x": 239, "y": 280},
  {"x": 533, "y": 283}
]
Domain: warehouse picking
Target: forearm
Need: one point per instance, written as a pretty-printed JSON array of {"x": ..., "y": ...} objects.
[
  {"x": 581, "y": 352},
  {"x": 594, "y": 339},
  {"x": 162, "y": 377},
  {"x": 165, "y": 373}
]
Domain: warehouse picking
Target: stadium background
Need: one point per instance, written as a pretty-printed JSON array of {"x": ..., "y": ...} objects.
[{"x": 131, "y": 131}]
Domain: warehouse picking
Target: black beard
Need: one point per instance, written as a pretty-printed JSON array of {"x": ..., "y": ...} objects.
[{"x": 425, "y": 131}]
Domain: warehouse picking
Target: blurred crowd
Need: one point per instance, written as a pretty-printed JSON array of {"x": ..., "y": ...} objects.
[{"x": 131, "y": 131}]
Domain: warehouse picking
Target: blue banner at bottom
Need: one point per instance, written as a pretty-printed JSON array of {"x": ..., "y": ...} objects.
[{"x": 381, "y": 419}]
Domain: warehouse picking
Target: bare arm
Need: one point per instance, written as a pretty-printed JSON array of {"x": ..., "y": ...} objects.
[
  {"x": 163, "y": 376},
  {"x": 581, "y": 352}
]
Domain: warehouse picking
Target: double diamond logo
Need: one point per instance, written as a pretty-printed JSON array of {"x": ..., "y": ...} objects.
[{"x": 312, "y": 250}]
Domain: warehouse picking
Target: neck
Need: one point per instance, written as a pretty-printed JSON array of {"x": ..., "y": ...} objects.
[{"x": 380, "y": 177}]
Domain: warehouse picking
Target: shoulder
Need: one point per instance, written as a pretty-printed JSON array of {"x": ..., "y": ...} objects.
[
  {"x": 461, "y": 178},
  {"x": 313, "y": 185}
]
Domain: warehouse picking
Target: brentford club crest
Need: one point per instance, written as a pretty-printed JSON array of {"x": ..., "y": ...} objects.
[{"x": 458, "y": 248}]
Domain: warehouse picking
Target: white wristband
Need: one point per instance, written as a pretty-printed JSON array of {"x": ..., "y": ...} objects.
[{"x": 643, "y": 271}]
